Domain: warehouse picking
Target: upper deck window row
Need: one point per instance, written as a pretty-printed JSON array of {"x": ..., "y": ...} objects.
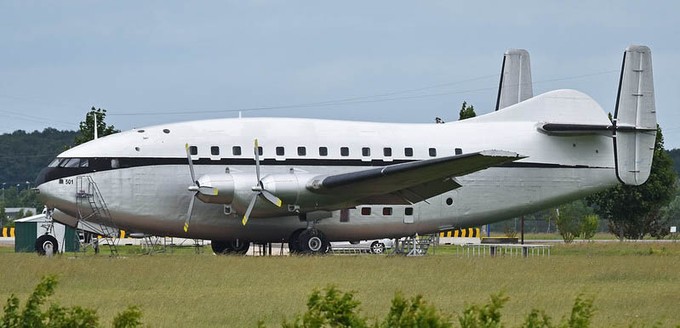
[{"x": 301, "y": 151}]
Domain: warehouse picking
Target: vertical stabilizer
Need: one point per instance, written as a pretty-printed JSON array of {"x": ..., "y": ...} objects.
[
  {"x": 515, "y": 84},
  {"x": 635, "y": 117}
]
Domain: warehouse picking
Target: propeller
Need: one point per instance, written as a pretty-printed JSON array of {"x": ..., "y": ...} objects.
[
  {"x": 196, "y": 187},
  {"x": 259, "y": 190}
]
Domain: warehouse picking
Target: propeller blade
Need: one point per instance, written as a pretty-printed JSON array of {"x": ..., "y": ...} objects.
[
  {"x": 191, "y": 163},
  {"x": 271, "y": 198},
  {"x": 189, "y": 212},
  {"x": 250, "y": 209},
  {"x": 257, "y": 161}
]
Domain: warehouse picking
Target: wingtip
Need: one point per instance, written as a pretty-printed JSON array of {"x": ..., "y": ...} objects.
[{"x": 186, "y": 227}]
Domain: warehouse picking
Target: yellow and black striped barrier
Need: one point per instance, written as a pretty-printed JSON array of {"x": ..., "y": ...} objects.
[
  {"x": 8, "y": 232},
  {"x": 466, "y": 233}
]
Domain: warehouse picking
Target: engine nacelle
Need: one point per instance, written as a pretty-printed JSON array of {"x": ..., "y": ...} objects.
[
  {"x": 216, "y": 188},
  {"x": 237, "y": 190}
]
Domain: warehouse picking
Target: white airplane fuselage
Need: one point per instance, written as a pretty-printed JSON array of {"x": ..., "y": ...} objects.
[{"x": 143, "y": 174}]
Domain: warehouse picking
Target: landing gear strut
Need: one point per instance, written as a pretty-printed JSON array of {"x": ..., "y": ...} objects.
[{"x": 237, "y": 247}]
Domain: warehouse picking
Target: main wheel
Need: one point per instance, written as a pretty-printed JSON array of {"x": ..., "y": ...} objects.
[
  {"x": 227, "y": 247},
  {"x": 240, "y": 246},
  {"x": 313, "y": 241},
  {"x": 46, "y": 245},
  {"x": 294, "y": 242},
  {"x": 377, "y": 247}
]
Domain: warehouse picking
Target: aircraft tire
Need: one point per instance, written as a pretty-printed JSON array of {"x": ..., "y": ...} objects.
[
  {"x": 239, "y": 246},
  {"x": 313, "y": 241},
  {"x": 294, "y": 242},
  {"x": 46, "y": 245},
  {"x": 226, "y": 247}
]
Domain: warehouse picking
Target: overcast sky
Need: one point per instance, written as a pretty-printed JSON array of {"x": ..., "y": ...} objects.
[{"x": 153, "y": 62}]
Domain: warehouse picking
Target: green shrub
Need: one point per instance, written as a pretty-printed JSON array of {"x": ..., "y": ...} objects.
[
  {"x": 333, "y": 309},
  {"x": 537, "y": 319},
  {"x": 57, "y": 316},
  {"x": 487, "y": 316},
  {"x": 581, "y": 313},
  {"x": 414, "y": 313}
]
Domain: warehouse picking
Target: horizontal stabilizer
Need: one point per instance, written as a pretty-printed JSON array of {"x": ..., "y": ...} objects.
[{"x": 635, "y": 117}]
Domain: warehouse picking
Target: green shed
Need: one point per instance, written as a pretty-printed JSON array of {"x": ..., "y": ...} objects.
[{"x": 29, "y": 230}]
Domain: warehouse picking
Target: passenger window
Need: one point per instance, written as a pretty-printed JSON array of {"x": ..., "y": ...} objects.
[
  {"x": 302, "y": 151},
  {"x": 344, "y": 151},
  {"x": 236, "y": 150},
  {"x": 408, "y": 211},
  {"x": 387, "y": 152},
  {"x": 214, "y": 150},
  {"x": 193, "y": 150},
  {"x": 433, "y": 152},
  {"x": 260, "y": 151},
  {"x": 459, "y": 151},
  {"x": 387, "y": 211},
  {"x": 365, "y": 211},
  {"x": 115, "y": 163},
  {"x": 323, "y": 151},
  {"x": 279, "y": 151},
  {"x": 366, "y": 151},
  {"x": 408, "y": 152}
]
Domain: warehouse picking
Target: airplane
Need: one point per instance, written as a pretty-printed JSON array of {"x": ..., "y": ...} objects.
[{"x": 307, "y": 182}]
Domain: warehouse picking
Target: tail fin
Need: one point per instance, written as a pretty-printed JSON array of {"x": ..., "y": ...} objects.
[
  {"x": 515, "y": 85},
  {"x": 635, "y": 117}
]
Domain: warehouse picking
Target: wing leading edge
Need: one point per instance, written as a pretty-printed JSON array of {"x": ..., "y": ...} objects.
[{"x": 411, "y": 182}]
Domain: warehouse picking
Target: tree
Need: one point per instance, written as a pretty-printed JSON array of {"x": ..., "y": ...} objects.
[
  {"x": 466, "y": 111},
  {"x": 634, "y": 211},
  {"x": 3, "y": 215},
  {"x": 87, "y": 126},
  {"x": 572, "y": 220}
]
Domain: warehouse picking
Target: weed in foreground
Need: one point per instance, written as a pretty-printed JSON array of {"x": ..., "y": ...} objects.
[
  {"x": 57, "y": 316},
  {"x": 334, "y": 308}
]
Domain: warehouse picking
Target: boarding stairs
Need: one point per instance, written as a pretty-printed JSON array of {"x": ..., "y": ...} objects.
[{"x": 92, "y": 207}]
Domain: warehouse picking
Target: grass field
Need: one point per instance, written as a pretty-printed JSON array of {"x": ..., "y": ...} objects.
[{"x": 631, "y": 283}]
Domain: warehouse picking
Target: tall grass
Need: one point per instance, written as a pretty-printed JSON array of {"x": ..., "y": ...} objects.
[{"x": 629, "y": 283}]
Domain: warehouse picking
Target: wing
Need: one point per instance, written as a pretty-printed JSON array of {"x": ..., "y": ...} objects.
[{"x": 411, "y": 182}]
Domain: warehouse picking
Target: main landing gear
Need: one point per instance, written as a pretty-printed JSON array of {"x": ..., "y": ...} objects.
[
  {"x": 308, "y": 241},
  {"x": 236, "y": 247}
]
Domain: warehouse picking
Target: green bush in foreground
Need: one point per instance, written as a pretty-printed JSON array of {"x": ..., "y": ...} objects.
[
  {"x": 57, "y": 316},
  {"x": 338, "y": 309}
]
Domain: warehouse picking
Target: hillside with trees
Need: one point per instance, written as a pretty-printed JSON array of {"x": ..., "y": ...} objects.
[{"x": 23, "y": 155}]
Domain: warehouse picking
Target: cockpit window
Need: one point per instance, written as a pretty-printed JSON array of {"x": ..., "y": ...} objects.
[
  {"x": 54, "y": 163},
  {"x": 72, "y": 162},
  {"x": 84, "y": 162}
]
